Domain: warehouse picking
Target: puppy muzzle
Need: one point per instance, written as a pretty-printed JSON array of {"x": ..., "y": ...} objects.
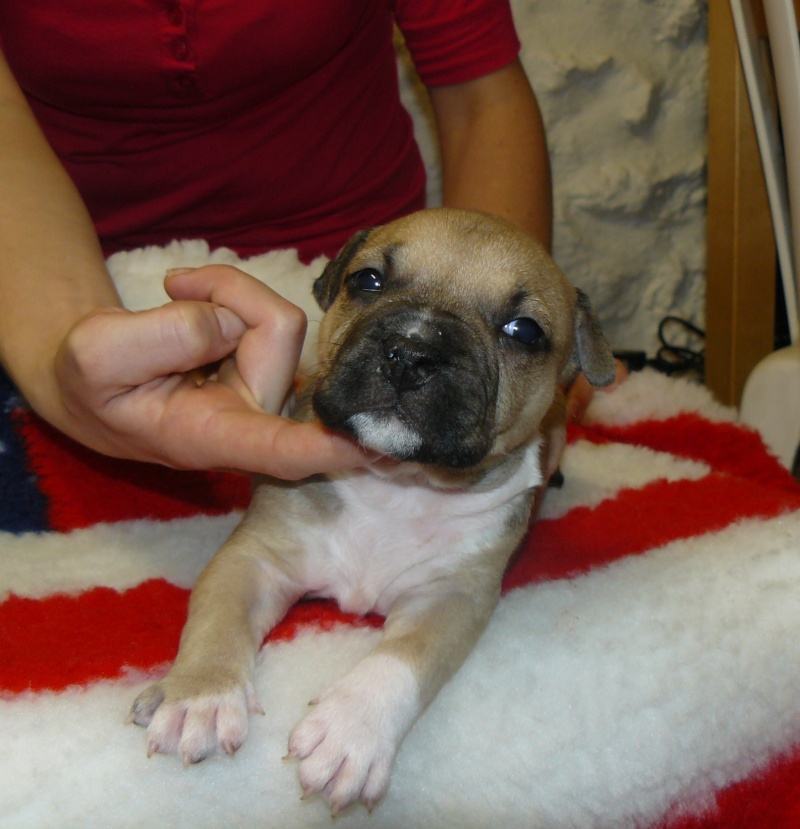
[
  {"x": 409, "y": 362},
  {"x": 414, "y": 384}
]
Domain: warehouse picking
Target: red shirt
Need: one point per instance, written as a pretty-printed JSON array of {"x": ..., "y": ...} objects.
[{"x": 255, "y": 124}]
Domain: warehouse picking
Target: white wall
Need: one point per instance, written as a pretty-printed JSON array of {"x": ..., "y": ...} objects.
[{"x": 622, "y": 86}]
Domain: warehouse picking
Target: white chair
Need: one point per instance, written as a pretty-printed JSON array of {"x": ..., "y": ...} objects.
[{"x": 771, "y": 398}]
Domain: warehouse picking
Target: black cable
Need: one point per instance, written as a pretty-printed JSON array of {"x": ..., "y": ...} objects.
[{"x": 670, "y": 357}]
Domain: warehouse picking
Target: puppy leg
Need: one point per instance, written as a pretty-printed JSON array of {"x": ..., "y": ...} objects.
[
  {"x": 203, "y": 703},
  {"x": 347, "y": 744}
]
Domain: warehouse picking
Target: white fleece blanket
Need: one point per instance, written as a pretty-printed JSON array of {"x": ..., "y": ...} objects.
[{"x": 659, "y": 672}]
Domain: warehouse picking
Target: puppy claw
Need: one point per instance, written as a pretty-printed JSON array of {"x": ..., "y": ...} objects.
[
  {"x": 192, "y": 761},
  {"x": 156, "y": 744},
  {"x": 195, "y": 718},
  {"x": 338, "y": 806},
  {"x": 347, "y": 745},
  {"x": 145, "y": 705},
  {"x": 253, "y": 705}
]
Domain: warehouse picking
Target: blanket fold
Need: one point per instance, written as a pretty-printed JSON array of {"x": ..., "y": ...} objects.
[{"x": 641, "y": 669}]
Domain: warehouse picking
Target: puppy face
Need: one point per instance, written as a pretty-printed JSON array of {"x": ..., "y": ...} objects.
[{"x": 446, "y": 335}]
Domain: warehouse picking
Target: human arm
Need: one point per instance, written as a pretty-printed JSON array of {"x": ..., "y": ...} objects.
[
  {"x": 90, "y": 368},
  {"x": 494, "y": 158},
  {"x": 494, "y": 150}
]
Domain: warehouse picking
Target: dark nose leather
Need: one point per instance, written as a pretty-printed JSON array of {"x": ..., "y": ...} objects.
[{"x": 409, "y": 362}]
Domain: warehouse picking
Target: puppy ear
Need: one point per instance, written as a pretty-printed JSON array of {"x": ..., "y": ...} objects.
[
  {"x": 592, "y": 354},
  {"x": 326, "y": 286}
]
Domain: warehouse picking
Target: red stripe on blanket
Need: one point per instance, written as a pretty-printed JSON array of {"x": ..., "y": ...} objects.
[
  {"x": 769, "y": 799},
  {"x": 639, "y": 520},
  {"x": 725, "y": 447},
  {"x": 84, "y": 488},
  {"x": 65, "y": 640},
  {"x": 320, "y": 615}
]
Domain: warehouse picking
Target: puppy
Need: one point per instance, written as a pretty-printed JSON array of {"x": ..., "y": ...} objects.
[{"x": 446, "y": 337}]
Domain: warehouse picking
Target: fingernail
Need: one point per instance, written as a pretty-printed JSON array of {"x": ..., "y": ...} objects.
[
  {"x": 231, "y": 326},
  {"x": 179, "y": 271}
]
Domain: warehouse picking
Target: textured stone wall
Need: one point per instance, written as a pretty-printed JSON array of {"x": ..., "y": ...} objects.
[{"x": 622, "y": 87}]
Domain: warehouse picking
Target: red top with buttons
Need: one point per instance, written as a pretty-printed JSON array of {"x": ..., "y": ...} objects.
[{"x": 256, "y": 124}]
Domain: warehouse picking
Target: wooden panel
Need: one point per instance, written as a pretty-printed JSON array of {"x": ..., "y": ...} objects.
[{"x": 740, "y": 295}]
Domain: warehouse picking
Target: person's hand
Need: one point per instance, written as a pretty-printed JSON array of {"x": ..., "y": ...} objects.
[
  {"x": 581, "y": 392},
  {"x": 126, "y": 387}
]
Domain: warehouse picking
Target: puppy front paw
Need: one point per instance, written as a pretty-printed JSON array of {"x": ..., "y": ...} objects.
[
  {"x": 347, "y": 745},
  {"x": 195, "y": 715}
]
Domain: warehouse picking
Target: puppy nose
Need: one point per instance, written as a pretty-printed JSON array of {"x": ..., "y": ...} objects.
[{"x": 409, "y": 362}]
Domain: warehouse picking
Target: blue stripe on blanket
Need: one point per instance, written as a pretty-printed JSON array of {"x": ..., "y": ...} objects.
[{"x": 23, "y": 508}]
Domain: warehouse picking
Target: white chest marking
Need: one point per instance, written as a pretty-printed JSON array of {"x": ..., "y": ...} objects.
[{"x": 397, "y": 532}]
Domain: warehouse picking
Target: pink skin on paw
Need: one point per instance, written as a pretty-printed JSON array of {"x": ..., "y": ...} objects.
[
  {"x": 347, "y": 744},
  {"x": 196, "y": 726},
  {"x": 341, "y": 770},
  {"x": 164, "y": 731}
]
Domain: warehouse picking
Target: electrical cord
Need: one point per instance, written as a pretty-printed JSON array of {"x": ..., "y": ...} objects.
[{"x": 670, "y": 358}]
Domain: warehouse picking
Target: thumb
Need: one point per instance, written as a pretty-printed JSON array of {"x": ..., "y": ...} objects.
[{"x": 125, "y": 348}]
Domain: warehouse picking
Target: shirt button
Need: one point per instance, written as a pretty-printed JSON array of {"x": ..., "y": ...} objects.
[
  {"x": 185, "y": 82},
  {"x": 179, "y": 48},
  {"x": 175, "y": 14}
]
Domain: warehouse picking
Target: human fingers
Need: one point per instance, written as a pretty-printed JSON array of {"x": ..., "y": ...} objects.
[
  {"x": 267, "y": 357},
  {"x": 114, "y": 349},
  {"x": 122, "y": 400},
  {"x": 304, "y": 449},
  {"x": 581, "y": 392},
  {"x": 211, "y": 427},
  {"x": 579, "y": 396},
  {"x": 279, "y": 447},
  {"x": 252, "y": 300}
]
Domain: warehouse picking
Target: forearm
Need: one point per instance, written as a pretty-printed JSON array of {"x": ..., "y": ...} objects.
[
  {"x": 494, "y": 150},
  {"x": 51, "y": 267},
  {"x": 120, "y": 382}
]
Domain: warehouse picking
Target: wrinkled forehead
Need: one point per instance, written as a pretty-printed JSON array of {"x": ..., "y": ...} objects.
[{"x": 491, "y": 262}]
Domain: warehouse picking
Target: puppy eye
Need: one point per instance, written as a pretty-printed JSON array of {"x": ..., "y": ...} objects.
[
  {"x": 367, "y": 280},
  {"x": 524, "y": 330}
]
